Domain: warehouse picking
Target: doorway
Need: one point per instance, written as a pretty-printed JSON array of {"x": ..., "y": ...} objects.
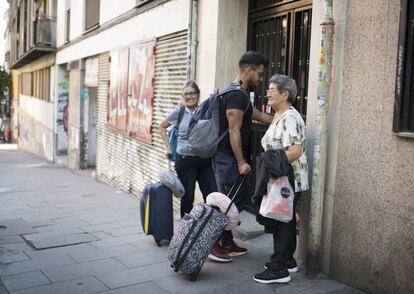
[{"x": 281, "y": 30}]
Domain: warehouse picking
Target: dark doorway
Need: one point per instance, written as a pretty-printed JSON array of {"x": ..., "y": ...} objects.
[{"x": 281, "y": 30}]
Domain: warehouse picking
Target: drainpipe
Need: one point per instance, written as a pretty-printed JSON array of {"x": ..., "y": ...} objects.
[
  {"x": 313, "y": 256},
  {"x": 192, "y": 39}
]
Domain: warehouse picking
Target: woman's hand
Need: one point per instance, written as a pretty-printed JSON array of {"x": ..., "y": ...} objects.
[
  {"x": 163, "y": 132},
  {"x": 168, "y": 152},
  {"x": 293, "y": 153}
]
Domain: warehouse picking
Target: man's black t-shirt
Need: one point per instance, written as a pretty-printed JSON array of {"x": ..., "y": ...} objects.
[{"x": 236, "y": 100}]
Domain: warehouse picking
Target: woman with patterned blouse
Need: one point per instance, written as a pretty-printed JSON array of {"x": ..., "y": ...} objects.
[{"x": 287, "y": 132}]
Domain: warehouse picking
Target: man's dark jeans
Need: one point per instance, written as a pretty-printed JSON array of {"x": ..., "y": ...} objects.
[
  {"x": 226, "y": 172},
  {"x": 189, "y": 170}
]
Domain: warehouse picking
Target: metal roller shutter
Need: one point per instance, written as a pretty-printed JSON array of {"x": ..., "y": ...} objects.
[
  {"x": 125, "y": 162},
  {"x": 170, "y": 74}
]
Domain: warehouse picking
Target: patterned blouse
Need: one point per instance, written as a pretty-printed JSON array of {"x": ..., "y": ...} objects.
[{"x": 290, "y": 130}]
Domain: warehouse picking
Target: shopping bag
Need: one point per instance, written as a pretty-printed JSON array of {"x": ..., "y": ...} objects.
[{"x": 278, "y": 203}]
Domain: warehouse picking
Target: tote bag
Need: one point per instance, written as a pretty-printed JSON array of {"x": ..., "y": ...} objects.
[{"x": 278, "y": 203}]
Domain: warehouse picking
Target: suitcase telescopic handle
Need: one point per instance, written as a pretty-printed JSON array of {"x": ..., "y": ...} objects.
[{"x": 243, "y": 178}]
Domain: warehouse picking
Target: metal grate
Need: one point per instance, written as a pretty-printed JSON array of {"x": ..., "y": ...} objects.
[
  {"x": 282, "y": 34},
  {"x": 300, "y": 70},
  {"x": 270, "y": 37},
  {"x": 261, "y": 4}
]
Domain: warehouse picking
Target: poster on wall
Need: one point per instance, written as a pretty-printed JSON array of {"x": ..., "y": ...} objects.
[
  {"x": 141, "y": 90},
  {"x": 113, "y": 90},
  {"x": 91, "y": 72},
  {"x": 121, "y": 119}
]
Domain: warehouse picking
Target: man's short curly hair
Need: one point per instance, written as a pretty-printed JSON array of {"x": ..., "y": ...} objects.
[{"x": 253, "y": 58}]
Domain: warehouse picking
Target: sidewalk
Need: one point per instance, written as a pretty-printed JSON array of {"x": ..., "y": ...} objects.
[{"x": 63, "y": 232}]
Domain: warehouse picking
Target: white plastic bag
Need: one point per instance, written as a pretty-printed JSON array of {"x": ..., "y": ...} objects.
[{"x": 278, "y": 203}]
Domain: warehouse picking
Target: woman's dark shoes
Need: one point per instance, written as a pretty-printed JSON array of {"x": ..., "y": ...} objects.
[
  {"x": 269, "y": 276},
  {"x": 291, "y": 265}
]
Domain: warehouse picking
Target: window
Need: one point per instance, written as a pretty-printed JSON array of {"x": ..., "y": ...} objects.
[
  {"x": 404, "y": 89},
  {"x": 26, "y": 83},
  {"x": 67, "y": 32},
  {"x": 91, "y": 13},
  {"x": 36, "y": 84}
]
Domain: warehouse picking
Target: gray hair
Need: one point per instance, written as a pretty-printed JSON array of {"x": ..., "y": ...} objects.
[
  {"x": 285, "y": 83},
  {"x": 192, "y": 84}
]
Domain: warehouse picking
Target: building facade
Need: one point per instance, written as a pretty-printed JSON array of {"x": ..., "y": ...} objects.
[
  {"x": 118, "y": 72},
  {"x": 32, "y": 31}
]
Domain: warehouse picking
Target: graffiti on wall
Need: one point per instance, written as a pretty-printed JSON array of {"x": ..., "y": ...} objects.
[
  {"x": 84, "y": 93},
  {"x": 62, "y": 111},
  {"x": 34, "y": 137}
]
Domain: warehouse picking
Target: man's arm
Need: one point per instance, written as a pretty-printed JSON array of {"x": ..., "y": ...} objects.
[
  {"x": 235, "y": 120},
  {"x": 261, "y": 116}
]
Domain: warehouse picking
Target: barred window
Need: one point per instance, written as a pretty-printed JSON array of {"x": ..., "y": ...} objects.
[{"x": 404, "y": 91}]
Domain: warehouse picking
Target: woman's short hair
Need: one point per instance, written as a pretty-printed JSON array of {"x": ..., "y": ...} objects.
[
  {"x": 285, "y": 83},
  {"x": 192, "y": 84}
]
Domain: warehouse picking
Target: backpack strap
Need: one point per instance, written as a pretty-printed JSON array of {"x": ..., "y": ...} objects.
[
  {"x": 228, "y": 90},
  {"x": 180, "y": 115}
]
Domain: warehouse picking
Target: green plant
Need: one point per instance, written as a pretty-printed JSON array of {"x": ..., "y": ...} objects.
[{"x": 4, "y": 82}]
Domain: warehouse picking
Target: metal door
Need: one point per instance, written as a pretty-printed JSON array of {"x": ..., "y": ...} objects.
[{"x": 281, "y": 30}]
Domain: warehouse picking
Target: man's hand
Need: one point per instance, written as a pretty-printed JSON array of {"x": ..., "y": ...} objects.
[{"x": 244, "y": 168}]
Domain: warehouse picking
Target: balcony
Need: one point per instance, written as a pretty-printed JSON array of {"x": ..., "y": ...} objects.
[{"x": 44, "y": 41}]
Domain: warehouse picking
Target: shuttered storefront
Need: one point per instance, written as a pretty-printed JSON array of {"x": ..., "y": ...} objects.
[{"x": 125, "y": 162}]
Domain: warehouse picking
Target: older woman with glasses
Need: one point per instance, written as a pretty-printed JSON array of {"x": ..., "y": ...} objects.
[
  {"x": 190, "y": 168},
  {"x": 286, "y": 132}
]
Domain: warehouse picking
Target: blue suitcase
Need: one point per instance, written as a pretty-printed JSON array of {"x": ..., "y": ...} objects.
[{"x": 157, "y": 212}]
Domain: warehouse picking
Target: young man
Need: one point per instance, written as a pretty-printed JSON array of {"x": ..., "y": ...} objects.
[{"x": 232, "y": 157}]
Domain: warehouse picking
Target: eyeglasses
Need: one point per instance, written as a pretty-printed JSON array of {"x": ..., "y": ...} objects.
[
  {"x": 272, "y": 91},
  {"x": 190, "y": 94}
]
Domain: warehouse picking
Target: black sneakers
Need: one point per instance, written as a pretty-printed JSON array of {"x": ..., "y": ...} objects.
[
  {"x": 269, "y": 276},
  {"x": 291, "y": 265}
]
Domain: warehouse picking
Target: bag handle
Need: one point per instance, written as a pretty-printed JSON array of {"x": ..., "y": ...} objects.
[{"x": 243, "y": 177}]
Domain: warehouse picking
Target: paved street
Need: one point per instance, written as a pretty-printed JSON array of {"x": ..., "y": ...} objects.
[{"x": 65, "y": 232}]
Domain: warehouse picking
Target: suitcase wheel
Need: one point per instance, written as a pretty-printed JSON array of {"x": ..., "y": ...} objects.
[
  {"x": 192, "y": 277},
  {"x": 158, "y": 243}
]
